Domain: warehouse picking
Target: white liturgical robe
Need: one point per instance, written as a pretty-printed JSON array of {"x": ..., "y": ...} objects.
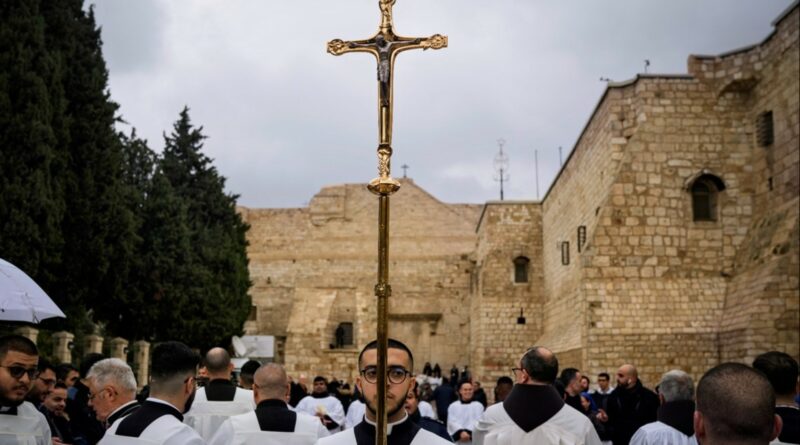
[
  {"x": 327, "y": 406},
  {"x": 403, "y": 432},
  {"x": 426, "y": 410},
  {"x": 355, "y": 414},
  {"x": 660, "y": 433},
  {"x": 462, "y": 416},
  {"x": 246, "y": 429},
  {"x": 206, "y": 416},
  {"x": 23, "y": 425},
  {"x": 156, "y": 423},
  {"x": 567, "y": 427}
]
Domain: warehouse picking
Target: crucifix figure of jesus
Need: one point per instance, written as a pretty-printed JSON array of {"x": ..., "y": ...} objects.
[{"x": 385, "y": 45}]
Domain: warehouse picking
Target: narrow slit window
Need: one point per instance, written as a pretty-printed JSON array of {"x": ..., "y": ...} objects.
[{"x": 521, "y": 265}]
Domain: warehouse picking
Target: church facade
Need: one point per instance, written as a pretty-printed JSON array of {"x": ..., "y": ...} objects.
[{"x": 670, "y": 239}]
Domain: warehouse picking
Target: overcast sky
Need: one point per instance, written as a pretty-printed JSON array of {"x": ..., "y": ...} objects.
[{"x": 284, "y": 118}]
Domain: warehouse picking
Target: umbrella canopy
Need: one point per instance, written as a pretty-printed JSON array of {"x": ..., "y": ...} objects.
[{"x": 21, "y": 299}]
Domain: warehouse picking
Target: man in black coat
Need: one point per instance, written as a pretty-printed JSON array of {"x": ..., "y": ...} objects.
[{"x": 630, "y": 406}]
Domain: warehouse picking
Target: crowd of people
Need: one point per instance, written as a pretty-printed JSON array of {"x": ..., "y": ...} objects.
[{"x": 191, "y": 400}]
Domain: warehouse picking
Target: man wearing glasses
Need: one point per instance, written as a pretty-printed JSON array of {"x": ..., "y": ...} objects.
[
  {"x": 113, "y": 390},
  {"x": 19, "y": 420},
  {"x": 160, "y": 418},
  {"x": 42, "y": 384},
  {"x": 401, "y": 430},
  {"x": 534, "y": 413}
]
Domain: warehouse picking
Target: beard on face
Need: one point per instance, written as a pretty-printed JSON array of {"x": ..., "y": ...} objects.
[
  {"x": 8, "y": 402},
  {"x": 390, "y": 409}
]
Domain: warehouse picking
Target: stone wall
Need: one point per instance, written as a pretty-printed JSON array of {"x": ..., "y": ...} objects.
[
  {"x": 507, "y": 230},
  {"x": 316, "y": 267}
]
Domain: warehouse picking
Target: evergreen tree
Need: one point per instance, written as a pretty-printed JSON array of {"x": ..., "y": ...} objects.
[
  {"x": 98, "y": 227},
  {"x": 214, "y": 282},
  {"x": 31, "y": 168}
]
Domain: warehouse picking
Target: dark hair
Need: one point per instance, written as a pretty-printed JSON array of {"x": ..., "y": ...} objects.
[
  {"x": 44, "y": 365},
  {"x": 603, "y": 375},
  {"x": 748, "y": 399},
  {"x": 17, "y": 343},
  {"x": 462, "y": 383},
  {"x": 505, "y": 380},
  {"x": 63, "y": 370},
  {"x": 173, "y": 358},
  {"x": 393, "y": 344},
  {"x": 541, "y": 364},
  {"x": 780, "y": 369},
  {"x": 320, "y": 378},
  {"x": 250, "y": 367},
  {"x": 88, "y": 361},
  {"x": 567, "y": 375},
  {"x": 60, "y": 385},
  {"x": 584, "y": 376}
]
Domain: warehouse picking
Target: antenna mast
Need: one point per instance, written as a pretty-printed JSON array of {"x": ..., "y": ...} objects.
[{"x": 501, "y": 166}]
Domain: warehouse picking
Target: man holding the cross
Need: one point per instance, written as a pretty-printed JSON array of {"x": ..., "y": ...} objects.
[{"x": 401, "y": 430}]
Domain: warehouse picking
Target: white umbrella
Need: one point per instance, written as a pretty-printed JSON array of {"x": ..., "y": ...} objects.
[{"x": 21, "y": 299}]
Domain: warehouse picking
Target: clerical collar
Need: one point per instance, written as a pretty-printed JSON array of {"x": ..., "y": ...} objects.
[
  {"x": 465, "y": 402},
  {"x": 10, "y": 410},
  {"x": 529, "y": 406},
  {"x": 679, "y": 415},
  {"x": 321, "y": 395},
  {"x": 390, "y": 425}
]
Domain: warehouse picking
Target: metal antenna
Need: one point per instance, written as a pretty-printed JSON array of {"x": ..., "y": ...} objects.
[
  {"x": 646, "y": 65},
  {"x": 536, "y": 166},
  {"x": 405, "y": 168},
  {"x": 501, "y": 166}
]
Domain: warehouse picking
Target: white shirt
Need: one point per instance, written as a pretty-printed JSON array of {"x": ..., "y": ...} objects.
[
  {"x": 355, "y": 414},
  {"x": 27, "y": 427},
  {"x": 462, "y": 416},
  {"x": 600, "y": 391},
  {"x": 165, "y": 430},
  {"x": 241, "y": 429},
  {"x": 661, "y": 433},
  {"x": 566, "y": 427},
  {"x": 330, "y": 406},
  {"x": 348, "y": 437}
]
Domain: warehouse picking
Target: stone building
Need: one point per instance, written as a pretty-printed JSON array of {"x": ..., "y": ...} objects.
[{"x": 669, "y": 239}]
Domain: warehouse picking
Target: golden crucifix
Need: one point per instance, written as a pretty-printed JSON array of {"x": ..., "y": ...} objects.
[{"x": 385, "y": 45}]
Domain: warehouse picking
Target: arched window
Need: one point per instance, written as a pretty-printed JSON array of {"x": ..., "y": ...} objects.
[
  {"x": 521, "y": 269},
  {"x": 705, "y": 191}
]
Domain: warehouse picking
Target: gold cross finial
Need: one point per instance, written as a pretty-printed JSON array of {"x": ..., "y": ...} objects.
[{"x": 385, "y": 45}]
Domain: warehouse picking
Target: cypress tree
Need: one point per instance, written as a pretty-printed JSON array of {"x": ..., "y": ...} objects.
[
  {"x": 213, "y": 293},
  {"x": 98, "y": 228},
  {"x": 31, "y": 121}
]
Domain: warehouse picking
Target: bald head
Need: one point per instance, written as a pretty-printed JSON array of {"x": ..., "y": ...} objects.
[
  {"x": 218, "y": 363},
  {"x": 627, "y": 376},
  {"x": 270, "y": 382},
  {"x": 540, "y": 364}
]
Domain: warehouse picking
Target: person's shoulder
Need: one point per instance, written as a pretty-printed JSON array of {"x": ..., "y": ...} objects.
[{"x": 341, "y": 438}]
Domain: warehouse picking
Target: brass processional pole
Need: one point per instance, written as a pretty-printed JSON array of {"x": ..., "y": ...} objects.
[{"x": 384, "y": 45}]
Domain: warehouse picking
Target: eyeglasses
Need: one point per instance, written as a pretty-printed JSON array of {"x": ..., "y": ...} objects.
[
  {"x": 396, "y": 374},
  {"x": 18, "y": 371},
  {"x": 48, "y": 382},
  {"x": 514, "y": 371}
]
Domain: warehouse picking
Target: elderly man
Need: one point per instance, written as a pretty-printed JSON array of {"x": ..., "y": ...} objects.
[
  {"x": 272, "y": 415},
  {"x": 534, "y": 413},
  {"x": 735, "y": 405},
  {"x": 781, "y": 371},
  {"x": 629, "y": 407},
  {"x": 160, "y": 418},
  {"x": 675, "y": 424},
  {"x": 19, "y": 420},
  {"x": 113, "y": 390},
  {"x": 323, "y": 405},
  {"x": 400, "y": 429}
]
